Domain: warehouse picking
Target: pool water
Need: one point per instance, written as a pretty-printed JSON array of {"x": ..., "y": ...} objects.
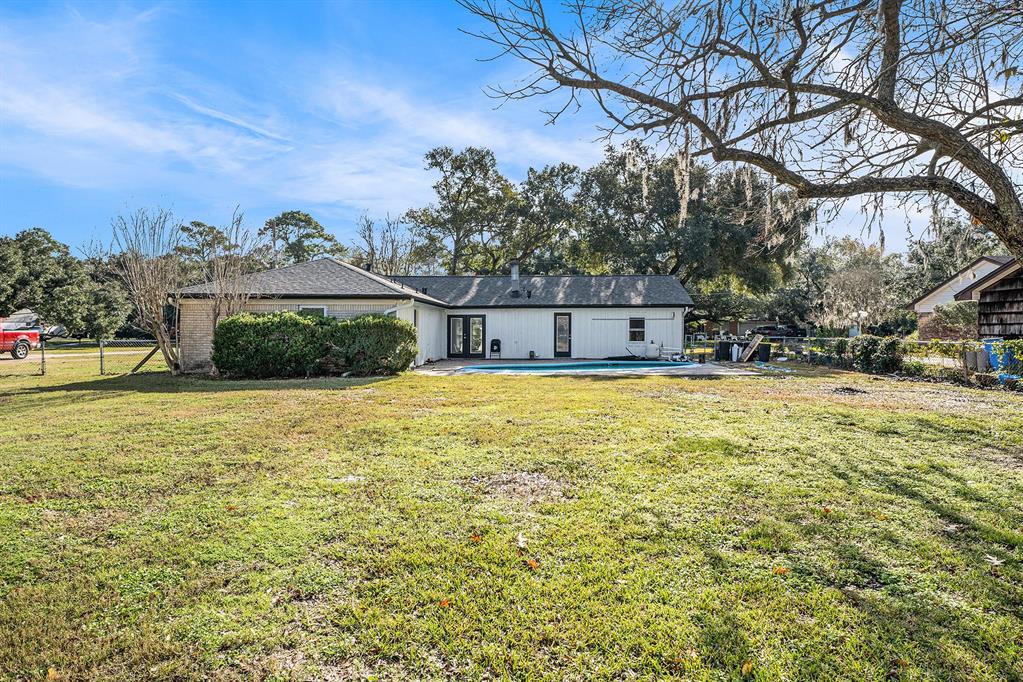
[{"x": 568, "y": 367}]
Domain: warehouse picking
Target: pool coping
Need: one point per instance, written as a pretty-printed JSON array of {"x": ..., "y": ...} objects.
[{"x": 455, "y": 367}]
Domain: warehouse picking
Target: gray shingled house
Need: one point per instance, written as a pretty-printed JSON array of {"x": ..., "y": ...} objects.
[{"x": 572, "y": 316}]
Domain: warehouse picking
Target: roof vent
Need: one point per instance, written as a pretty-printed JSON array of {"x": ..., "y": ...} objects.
[
  {"x": 529, "y": 293},
  {"x": 515, "y": 293},
  {"x": 424, "y": 290}
]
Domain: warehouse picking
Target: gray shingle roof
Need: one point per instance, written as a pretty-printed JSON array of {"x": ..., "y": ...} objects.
[
  {"x": 330, "y": 278},
  {"x": 321, "y": 278},
  {"x": 561, "y": 290}
]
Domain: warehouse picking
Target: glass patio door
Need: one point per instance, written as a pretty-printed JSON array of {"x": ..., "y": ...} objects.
[
  {"x": 467, "y": 336},
  {"x": 456, "y": 337},
  {"x": 562, "y": 335}
]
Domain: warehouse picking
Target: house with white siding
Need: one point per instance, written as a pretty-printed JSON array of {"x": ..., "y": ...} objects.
[
  {"x": 465, "y": 317},
  {"x": 947, "y": 291}
]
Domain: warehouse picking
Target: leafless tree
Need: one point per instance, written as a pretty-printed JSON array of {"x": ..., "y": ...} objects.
[
  {"x": 390, "y": 250},
  {"x": 834, "y": 98},
  {"x": 149, "y": 264},
  {"x": 224, "y": 268}
]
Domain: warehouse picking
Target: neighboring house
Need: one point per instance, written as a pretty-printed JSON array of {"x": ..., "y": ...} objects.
[
  {"x": 999, "y": 295},
  {"x": 20, "y": 319},
  {"x": 946, "y": 292},
  {"x": 572, "y": 316}
]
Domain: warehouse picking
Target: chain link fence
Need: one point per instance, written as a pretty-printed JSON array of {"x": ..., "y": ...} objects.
[
  {"x": 126, "y": 356},
  {"x": 988, "y": 362},
  {"x": 31, "y": 365},
  {"x": 108, "y": 357}
]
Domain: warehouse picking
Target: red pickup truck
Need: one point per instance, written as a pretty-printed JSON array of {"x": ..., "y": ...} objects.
[{"x": 18, "y": 340}]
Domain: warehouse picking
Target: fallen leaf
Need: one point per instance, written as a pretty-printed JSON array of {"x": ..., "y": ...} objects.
[
  {"x": 781, "y": 570},
  {"x": 445, "y": 603},
  {"x": 993, "y": 560},
  {"x": 476, "y": 537},
  {"x": 232, "y": 507},
  {"x": 533, "y": 564},
  {"x": 826, "y": 510},
  {"x": 52, "y": 674},
  {"x": 747, "y": 668},
  {"x": 880, "y": 517},
  {"x": 520, "y": 542}
]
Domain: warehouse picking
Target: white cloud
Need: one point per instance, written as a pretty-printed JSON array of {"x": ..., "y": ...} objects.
[{"x": 113, "y": 113}]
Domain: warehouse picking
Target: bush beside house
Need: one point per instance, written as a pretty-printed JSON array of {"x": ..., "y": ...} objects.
[
  {"x": 285, "y": 344},
  {"x": 953, "y": 321}
]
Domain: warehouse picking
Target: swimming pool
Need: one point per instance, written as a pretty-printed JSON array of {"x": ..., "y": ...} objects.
[{"x": 572, "y": 367}]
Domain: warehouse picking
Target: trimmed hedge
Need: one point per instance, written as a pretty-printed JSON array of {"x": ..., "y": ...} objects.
[{"x": 285, "y": 344}]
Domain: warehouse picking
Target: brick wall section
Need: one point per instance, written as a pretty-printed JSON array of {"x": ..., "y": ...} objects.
[
  {"x": 195, "y": 335},
  {"x": 195, "y": 323}
]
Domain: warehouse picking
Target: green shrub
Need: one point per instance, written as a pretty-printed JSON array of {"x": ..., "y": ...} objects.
[
  {"x": 280, "y": 344},
  {"x": 862, "y": 348},
  {"x": 286, "y": 344},
  {"x": 914, "y": 368},
  {"x": 371, "y": 344},
  {"x": 952, "y": 321},
  {"x": 888, "y": 356},
  {"x": 876, "y": 354}
]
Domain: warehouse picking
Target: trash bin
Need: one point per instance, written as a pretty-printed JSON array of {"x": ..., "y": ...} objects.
[
  {"x": 764, "y": 352},
  {"x": 723, "y": 350}
]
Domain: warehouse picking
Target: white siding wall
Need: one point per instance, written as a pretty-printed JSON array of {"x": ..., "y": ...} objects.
[
  {"x": 946, "y": 294},
  {"x": 596, "y": 332},
  {"x": 429, "y": 321}
]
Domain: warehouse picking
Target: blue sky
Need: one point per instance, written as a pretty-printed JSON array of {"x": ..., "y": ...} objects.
[{"x": 199, "y": 107}]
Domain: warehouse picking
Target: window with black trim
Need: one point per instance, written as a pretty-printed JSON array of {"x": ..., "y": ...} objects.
[
  {"x": 313, "y": 310},
  {"x": 637, "y": 329}
]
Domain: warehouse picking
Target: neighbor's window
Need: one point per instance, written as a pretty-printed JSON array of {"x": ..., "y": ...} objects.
[
  {"x": 313, "y": 310},
  {"x": 637, "y": 329},
  {"x": 415, "y": 318}
]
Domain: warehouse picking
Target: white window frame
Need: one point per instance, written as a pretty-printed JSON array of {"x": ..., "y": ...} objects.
[
  {"x": 321, "y": 308},
  {"x": 641, "y": 329}
]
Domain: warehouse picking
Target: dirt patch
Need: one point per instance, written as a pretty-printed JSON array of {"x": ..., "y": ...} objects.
[
  {"x": 528, "y": 487},
  {"x": 882, "y": 392},
  {"x": 1010, "y": 459}
]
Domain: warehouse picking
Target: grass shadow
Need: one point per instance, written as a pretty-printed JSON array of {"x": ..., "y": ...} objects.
[{"x": 163, "y": 382}]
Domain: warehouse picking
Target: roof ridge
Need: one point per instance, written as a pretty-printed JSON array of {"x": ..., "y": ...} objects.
[
  {"x": 524, "y": 276},
  {"x": 388, "y": 282}
]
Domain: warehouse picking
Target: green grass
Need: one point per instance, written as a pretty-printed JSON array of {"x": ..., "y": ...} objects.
[{"x": 752, "y": 528}]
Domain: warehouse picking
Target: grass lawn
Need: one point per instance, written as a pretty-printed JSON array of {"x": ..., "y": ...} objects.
[{"x": 807, "y": 526}]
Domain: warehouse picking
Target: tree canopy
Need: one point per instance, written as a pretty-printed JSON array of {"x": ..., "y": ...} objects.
[
  {"x": 296, "y": 237},
  {"x": 915, "y": 98}
]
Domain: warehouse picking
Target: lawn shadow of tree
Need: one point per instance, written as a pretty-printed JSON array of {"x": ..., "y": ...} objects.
[{"x": 892, "y": 601}]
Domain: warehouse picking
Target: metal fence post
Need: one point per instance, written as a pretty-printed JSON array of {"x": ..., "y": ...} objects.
[{"x": 101, "y": 357}]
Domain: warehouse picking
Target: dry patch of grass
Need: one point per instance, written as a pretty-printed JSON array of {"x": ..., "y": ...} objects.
[{"x": 524, "y": 486}]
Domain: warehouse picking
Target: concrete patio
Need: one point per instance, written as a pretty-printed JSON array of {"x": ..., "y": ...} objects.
[{"x": 710, "y": 369}]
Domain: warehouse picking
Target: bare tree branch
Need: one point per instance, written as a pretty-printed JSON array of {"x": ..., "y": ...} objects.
[{"x": 914, "y": 98}]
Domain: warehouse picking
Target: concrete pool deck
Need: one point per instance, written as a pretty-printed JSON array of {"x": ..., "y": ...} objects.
[{"x": 710, "y": 369}]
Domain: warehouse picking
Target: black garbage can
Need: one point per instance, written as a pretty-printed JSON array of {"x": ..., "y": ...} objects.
[
  {"x": 764, "y": 352},
  {"x": 723, "y": 350}
]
